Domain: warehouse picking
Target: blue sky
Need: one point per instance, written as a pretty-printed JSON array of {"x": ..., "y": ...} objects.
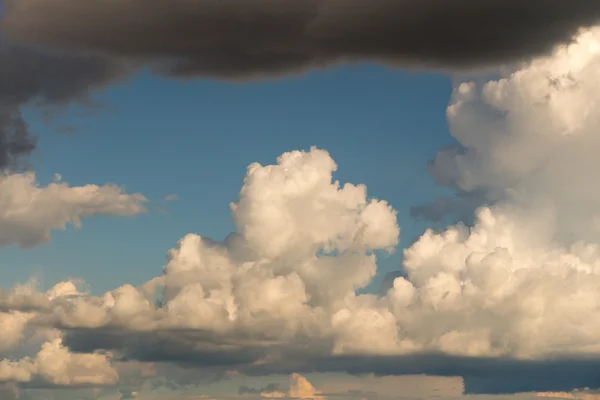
[{"x": 195, "y": 138}]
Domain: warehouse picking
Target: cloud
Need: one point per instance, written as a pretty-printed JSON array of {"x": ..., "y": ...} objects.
[
  {"x": 236, "y": 301},
  {"x": 29, "y": 213},
  {"x": 54, "y": 365},
  {"x": 262, "y": 38},
  {"x": 300, "y": 388},
  {"x": 508, "y": 302},
  {"x": 529, "y": 134},
  {"x": 282, "y": 288},
  {"x": 46, "y": 79}
]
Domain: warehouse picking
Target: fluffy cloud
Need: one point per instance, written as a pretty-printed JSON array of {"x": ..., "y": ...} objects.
[
  {"x": 19, "y": 305},
  {"x": 521, "y": 281},
  {"x": 530, "y": 137},
  {"x": 54, "y": 365},
  {"x": 29, "y": 213}
]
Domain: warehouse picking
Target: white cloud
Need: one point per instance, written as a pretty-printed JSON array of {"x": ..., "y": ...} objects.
[
  {"x": 531, "y": 138},
  {"x": 54, "y": 365},
  {"x": 29, "y": 213},
  {"x": 268, "y": 280},
  {"x": 521, "y": 281},
  {"x": 22, "y": 304}
]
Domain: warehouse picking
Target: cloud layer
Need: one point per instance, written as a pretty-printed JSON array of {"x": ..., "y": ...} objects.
[{"x": 264, "y": 37}]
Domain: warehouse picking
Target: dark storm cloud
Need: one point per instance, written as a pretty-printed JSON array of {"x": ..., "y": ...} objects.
[
  {"x": 29, "y": 76},
  {"x": 257, "y": 38},
  {"x": 244, "y": 39}
]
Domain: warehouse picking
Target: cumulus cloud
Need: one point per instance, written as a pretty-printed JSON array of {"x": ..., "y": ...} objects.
[
  {"x": 241, "y": 39},
  {"x": 29, "y": 213},
  {"x": 304, "y": 245},
  {"x": 529, "y": 134},
  {"x": 54, "y": 365},
  {"x": 521, "y": 280},
  {"x": 20, "y": 305}
]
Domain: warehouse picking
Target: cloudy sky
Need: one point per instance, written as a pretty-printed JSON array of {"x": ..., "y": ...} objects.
[{"x": 319, "y": 199}]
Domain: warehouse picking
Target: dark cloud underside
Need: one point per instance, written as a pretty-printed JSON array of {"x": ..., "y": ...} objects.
[
  {"x": 255, "y": 38},
  {"x": 29, "y": 76},
  {"x": 481, "y": 375}
]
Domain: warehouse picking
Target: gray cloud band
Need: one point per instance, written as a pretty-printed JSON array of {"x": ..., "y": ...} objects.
[
  {"x": 481, "y": 375},
  {"x": 241, "y": 39}
]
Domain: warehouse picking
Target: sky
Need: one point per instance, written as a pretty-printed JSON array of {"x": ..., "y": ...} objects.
[{"x": 313, "y": 199}]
